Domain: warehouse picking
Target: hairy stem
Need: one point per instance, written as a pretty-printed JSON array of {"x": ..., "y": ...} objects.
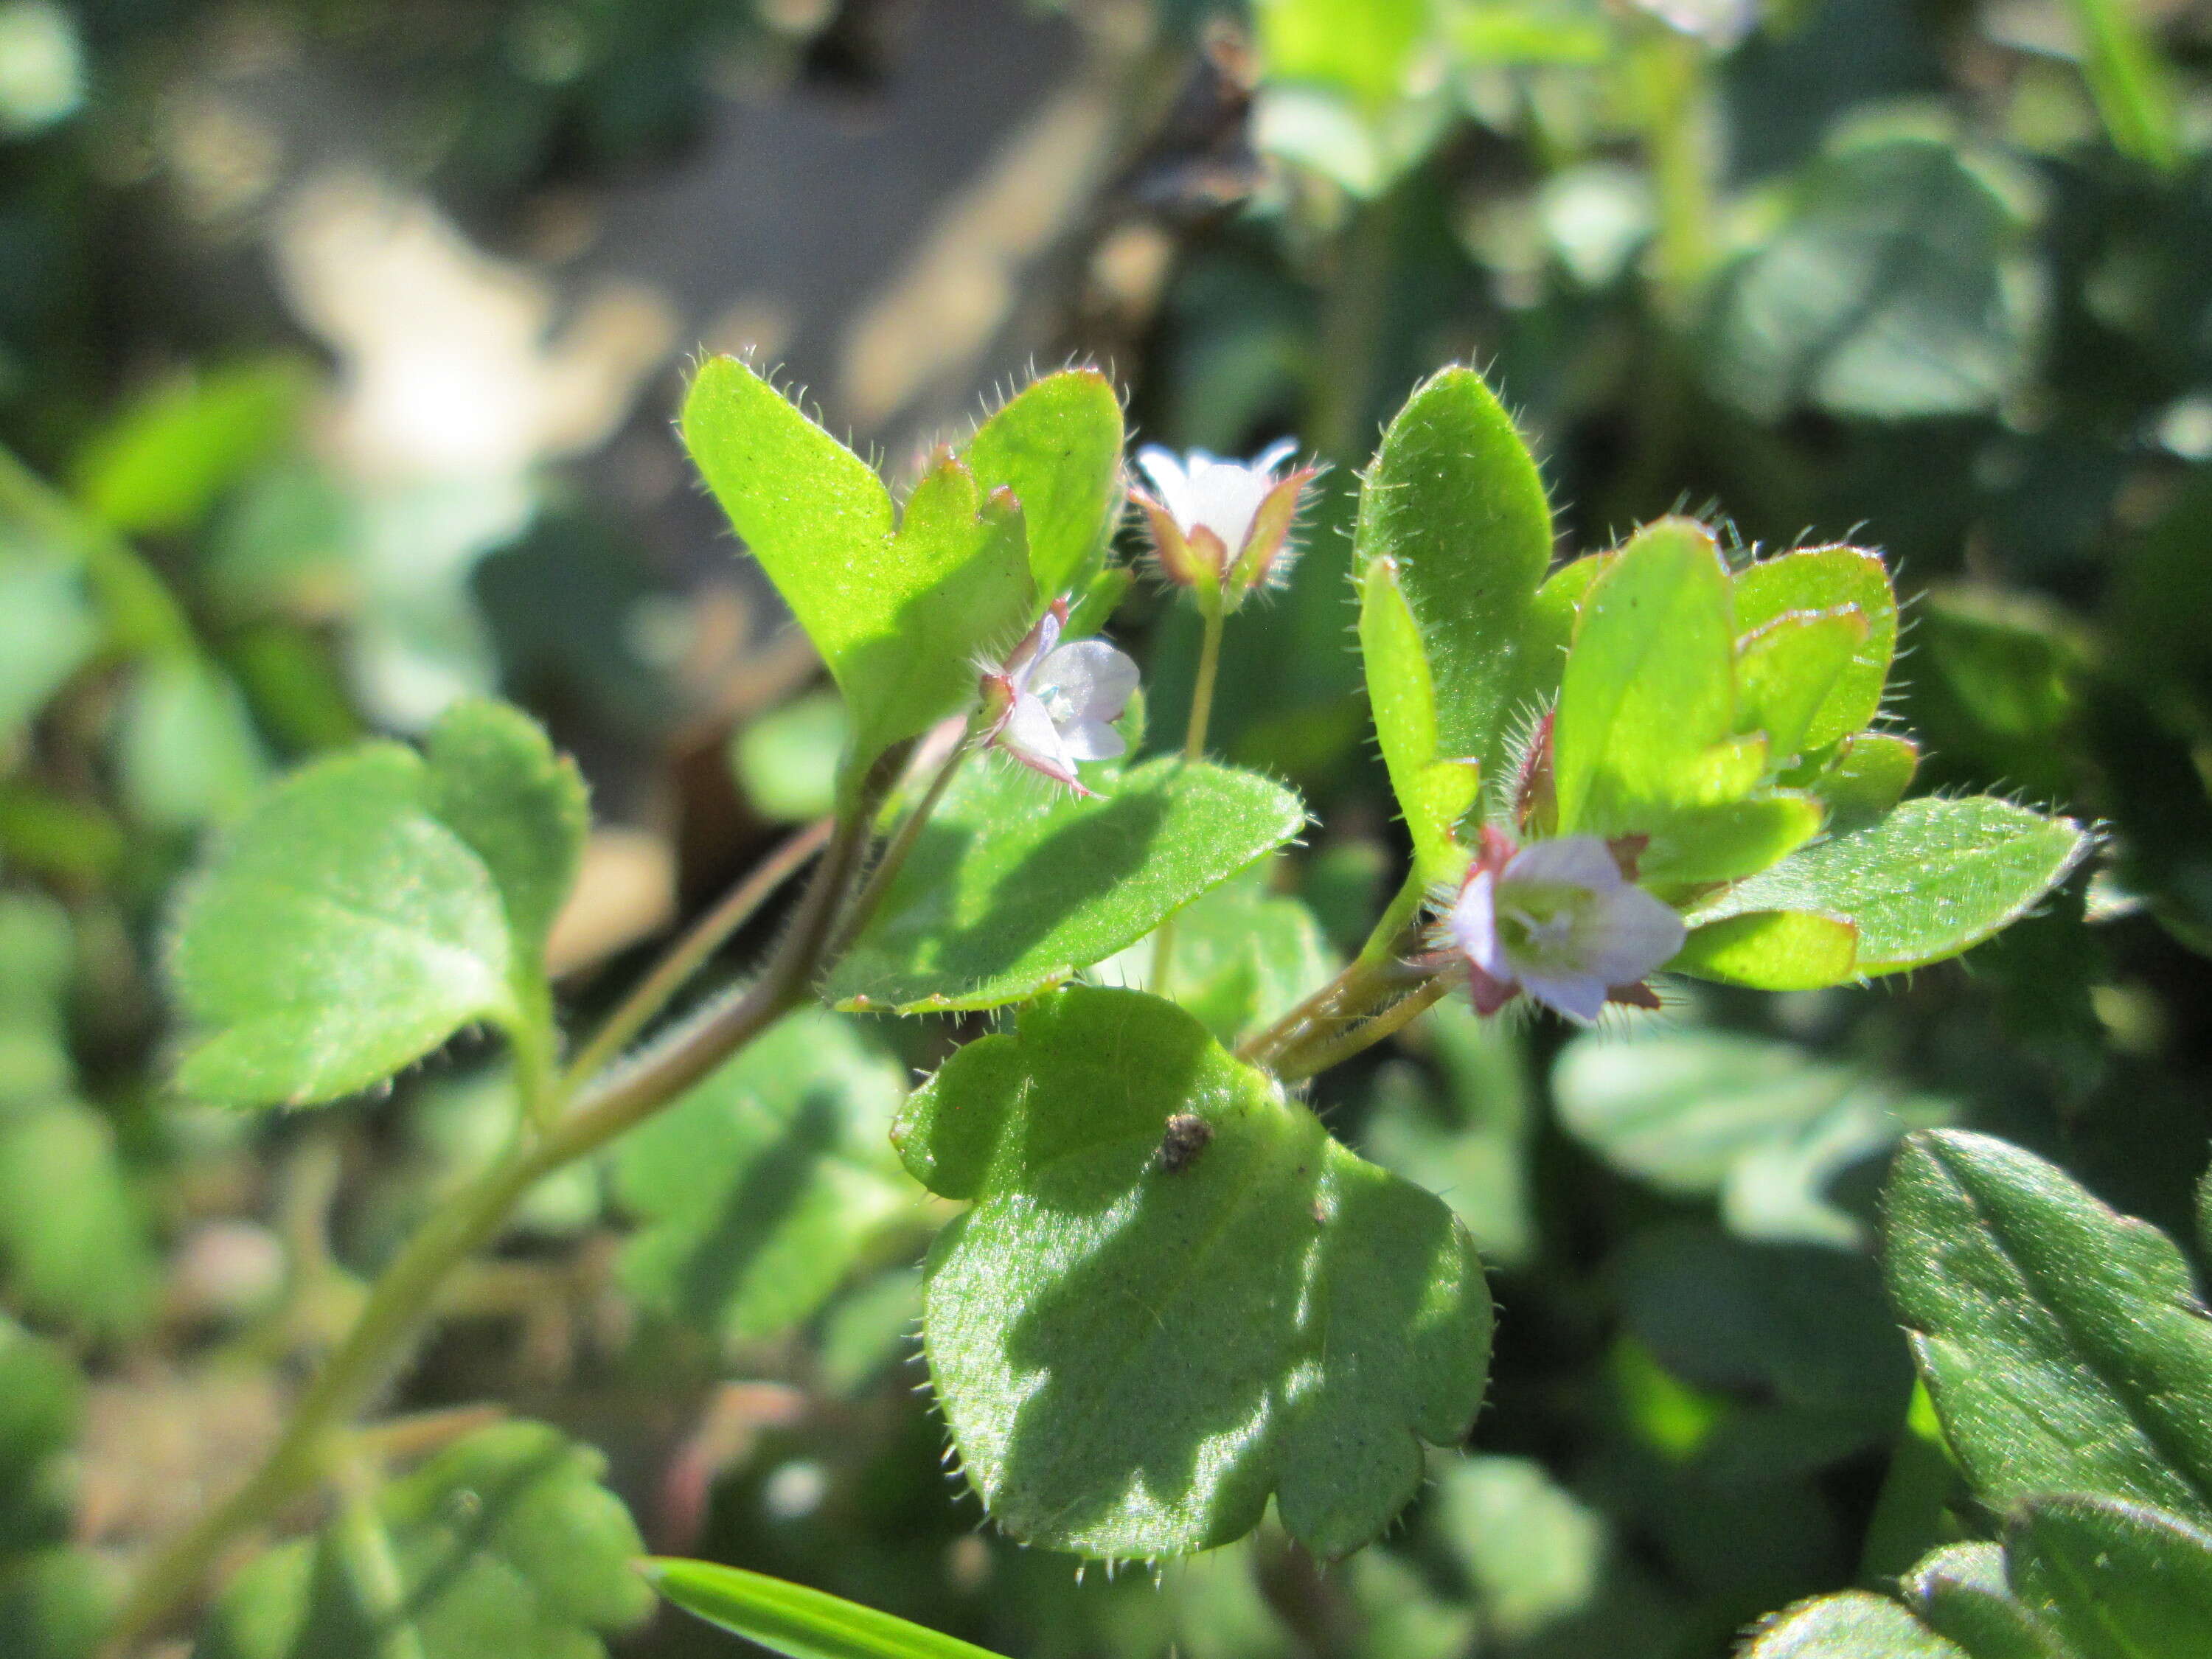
[
  {"x": 863, "y": 908},
  {"x": 1201, "y": 694},
  {"x": 1304, "y": 1059},
  {"x": 690, "y": 953},
  {"x": 401, "y": 1301},
  {"x": 1370, "y": 985}
]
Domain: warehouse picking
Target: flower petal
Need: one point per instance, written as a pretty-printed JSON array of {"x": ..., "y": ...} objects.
[
  {"x": 1626, "y": 934},
  {"x": 1091, "y": 740},
  {"x": 1580, "y": 997},
  {"x": 1088, "y": 680},
  {"x": 1170, "y": 478},
  {"x": 1472, "y": 926},
  {"x": 1029, "y": 736},
  {"x": 1565, "y": 861}
]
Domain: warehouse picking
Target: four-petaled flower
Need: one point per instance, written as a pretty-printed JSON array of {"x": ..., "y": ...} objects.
[
  {"x": 1221, "y": 527},
  {"x": 1051, "y": 705},
  {"x": 1559, "y": 919}
]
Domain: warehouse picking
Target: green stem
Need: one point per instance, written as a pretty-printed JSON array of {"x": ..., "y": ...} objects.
[
  {"x": 1387, "y": 939},
  {"x": 1306, "y": 1059},
  {"x": 1212, "y": 619},
  {"x": 404, "y": 1295},
  {"x": 863, "y": 908},
  {"x": 1317, "y": 1024},
  {"x": 690, "y": 953}
]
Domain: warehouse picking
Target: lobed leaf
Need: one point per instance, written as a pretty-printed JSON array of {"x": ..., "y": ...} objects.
[
  {"x": 762, "y": 1187},
  {"x": 796, "y": 1621},
  {"x": 1933, "y": 878},
  {"x": 1132, "y": 1349},
  {"x": 2064, "y": 1347},
  {"x": 1015, "y": 885}
]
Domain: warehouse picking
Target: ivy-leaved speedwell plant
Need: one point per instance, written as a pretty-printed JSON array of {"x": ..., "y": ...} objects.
[{"x": 1172, "y": 1295}]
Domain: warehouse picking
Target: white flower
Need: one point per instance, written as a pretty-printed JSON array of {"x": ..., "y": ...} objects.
[
  {"x": 1559, "y": 920},
  {"x": 1221, "y": 527},
  {"x": 1721, "y": 24},
  {"x": 1052, "y": 705}
]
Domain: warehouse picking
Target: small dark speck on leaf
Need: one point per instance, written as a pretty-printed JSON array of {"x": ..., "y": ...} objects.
[{"x": 1185, "y": 1137}]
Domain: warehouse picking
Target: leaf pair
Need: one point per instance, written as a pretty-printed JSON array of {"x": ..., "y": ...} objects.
[
  {"x": 373, "y": 904},
  {"x": 900, "y": 606}
]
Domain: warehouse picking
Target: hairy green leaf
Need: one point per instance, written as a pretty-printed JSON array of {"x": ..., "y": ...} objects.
[
  {"x": 345, "y": 931},
  {"x": 896, "y": 612},
  {"x": 1786, "y": 673},
  {"x": 1854, "y": 1625},
  {"x": 1136, "y": 1334},
  {"x": 1014, "y": 885},
  {"x": 2064, "y": 1345},
  {"x": 1933, "y": 878},
  {"x": 762, "y": 1187},
  {"x": 796, "y": 1621},
  {"x": 1454, "y": 501},
  {"x": 1963, "y": 1592},
  {"x": 1057, "y": 445},
  {"x": 1772, "y": 951},
  {"x": 1867, "y": 776},
  {"x": 1435, "y": 790},
  {"x": 1816, "y": 580},
  {"x": 505, "y": 1543}
]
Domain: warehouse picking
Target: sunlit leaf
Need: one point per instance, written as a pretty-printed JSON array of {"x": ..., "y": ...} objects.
[
  {"x": 1772, "y": 951},
  {"x": 796, "y": 1621},
  {"x": 1854, "y": 1625},
  {"x": 1933, "y": 878},
  {"x": 1015, "y": 885},
  {"x": 1454, "y": 503},
  {"x": 1817, "y": 580},
  {"x": 1057, "y": 445},
  {"x": 1134, "y": 1346},
  {"x": 896, "y": 612},
  {"x": 494, "y": 780},
  {"x": 165, "y": 462}
]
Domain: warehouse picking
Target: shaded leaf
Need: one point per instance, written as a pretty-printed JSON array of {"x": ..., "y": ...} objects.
[
  {"x": 186, "y": 751},
  {"x": 2122, "y": 1580},
  {"x": 41, "y": 1401},
  {"x": 1888, "y": 289},
  {"x": 74, "y": 1233},
  {"x": 2064, "y": 1345},
  {"x": 1243, "y": 957},
  {"x": 1854, "y": 1625},
  {"x": 1133, "y": 1352},
  {"x": 54, "y": 1604},
  {"x": 761, "y": 1188},
  {"x": 343, "y": 932},
  {"x": 1015, "y": 885},
  {"x": 1963, "y": 1592}
]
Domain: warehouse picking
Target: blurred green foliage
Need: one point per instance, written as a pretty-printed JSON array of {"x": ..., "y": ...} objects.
[{"x": 1930, "y": 277}]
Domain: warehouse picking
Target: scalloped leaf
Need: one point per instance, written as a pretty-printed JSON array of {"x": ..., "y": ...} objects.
[
  {"x": 1136, "y": 1342},
  {"x": 1015, "y": 885}
]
